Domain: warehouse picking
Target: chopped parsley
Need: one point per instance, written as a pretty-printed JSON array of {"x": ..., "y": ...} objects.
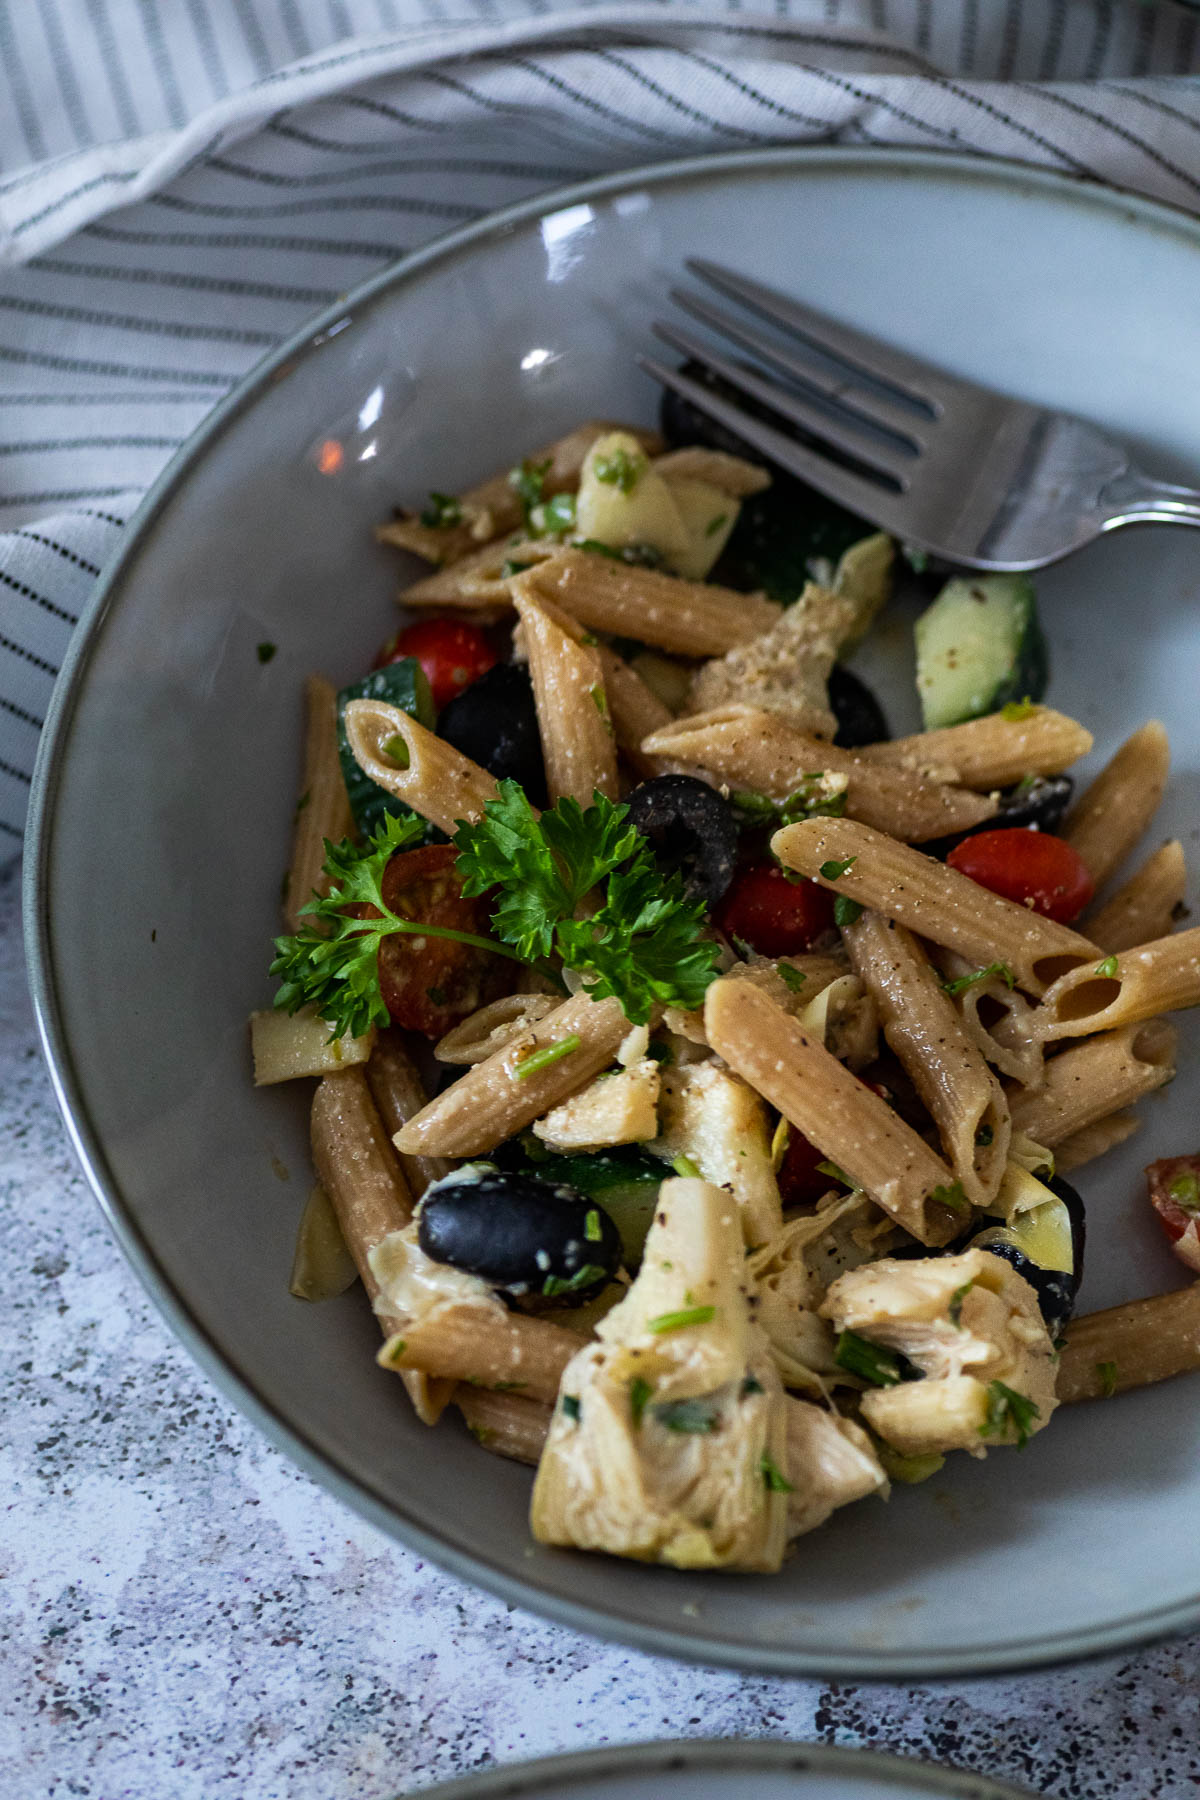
[
  {"x": 640, "y": 1391},
  {"x": 961, "y": 983},
  {"x": 694, "y": 1418},
  {"x": 555, "y": 515},
  {"x": 593, "y": 1230},
  {"x": 679, "y": 1321},
  {"x": 777, "y": 1482},
  {"x": 751, "y": 1385},
  {"x": 845, "y": 911},
  {"x": 265, "y": 651},
  {"x": 714, "y": 525},
  {"x": 833, "y": 871},
  {"x": 859, "y": 1356},
  {"x": 441, "y": 511},
  {"x": 528, "y": 480},
  {"x": 1005, "y": 1409},
  {"x": 1107, "y": 1371},
  {"x": 1108, "y": 967},
  {"x": 791, "y": 978},
  {"x": 599, "y": 700},
  {"x": 951, "y": 1195},
  {"x": 585, "y": 1277},
  {"x": 956, "y": 1302},
  {"x": 622, "y": 470},
  {"x": 571, "y": 1408},
  {"x": 834, "y": 1173},
  {"x": 548, "y": 1054},
  {"x": 1016, "y": 710},
  {"x": 640, "y": 556},
  {"x": 396, "y": 750},
  {"x": 683, "y": 1165}
]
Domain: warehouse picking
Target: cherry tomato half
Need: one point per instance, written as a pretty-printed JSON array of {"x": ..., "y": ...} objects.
[
  {"x": 452, "y": 653},
  {"x": 1174, "y": 1185},
  {"x": 774, "y": 915},
  {"x": 430, "y": 983},
  {"x": 1034, "y": 868}
]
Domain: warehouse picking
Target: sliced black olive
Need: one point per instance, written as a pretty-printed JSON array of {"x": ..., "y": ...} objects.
[
  {"x": 691, "y": 831},
  {"x": 536, "y": 1241},
  {"x": 494, "y": 722},
  {"x": 1039, "y": 801},
  {"x": 1055, "y": 1288},
  {"x": 858, "y": 713}
]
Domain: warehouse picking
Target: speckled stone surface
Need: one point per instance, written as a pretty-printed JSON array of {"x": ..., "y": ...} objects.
[{"x": 186, "y": 1616}]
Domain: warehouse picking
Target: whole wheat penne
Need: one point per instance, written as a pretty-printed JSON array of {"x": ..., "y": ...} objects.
[
  {"x": 493, "y": 1100},
  {"x": 1091, "y": 1080},
  {"x": 996, "y": 1015},
  {"x": 399, "y": 1095},
  {"x": 494, "y": 506},
  {"x": 1123, "y": 989},
  {"x": 323, "y": 810},
  {"x": 924, "y": 1031},
  {"x": 845, "y": 1120},
  {"x": 578, "y": 744},
  {"x": 1131, "y": 1346},
  {"x": 485, "y": 1346},
  {"x": 993, "y": 751},
  {"x": 1094, "y": 1140},
  {"x": 1144, "y": 909},
  {"x": 932, "y": 900},
  {"x": 635, "y": 710},
  {"x": 428, "y": 774},
  {"x": 359, "y": 1172},
  {"x": 1110, "y": 816},
  {"x": 479, "y": 582},
  {"x": 693, "y": 618},
  {"x": 731, "y": 474},
  {"x": 506, "y": 1424},
  {"x": 749, "y": 748}
]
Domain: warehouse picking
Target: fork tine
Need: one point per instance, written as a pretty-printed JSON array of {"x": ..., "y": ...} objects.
[
  {"x": 907, "y": 376},
  {"x": 879, "y": 504},
  {"x": 884, "y": 414},
  {"x": 849, "y": 438}
]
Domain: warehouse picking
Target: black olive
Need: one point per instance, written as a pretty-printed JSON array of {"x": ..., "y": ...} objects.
[
  {"x": 534, "y": 1240},
  {"x": 1039, "y": 801},
  {"x": 494, "y": 722},
  {"x": 691, "y": 831},
  {"x": 1056, "y": 1289},
  {"x": 858, "y": 713}
]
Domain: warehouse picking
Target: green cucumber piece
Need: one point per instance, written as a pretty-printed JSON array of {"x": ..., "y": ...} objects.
[
  {"x": 401, "y": 684},
  {"x": 625, "y": 1181},
  {"x": 979, "y": 646}
]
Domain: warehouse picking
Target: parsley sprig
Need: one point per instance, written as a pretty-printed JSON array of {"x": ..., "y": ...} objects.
[{"x": 642, "y": 945}]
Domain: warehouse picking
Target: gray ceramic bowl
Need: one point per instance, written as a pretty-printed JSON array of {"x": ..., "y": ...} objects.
[{"x": 162, "y": 812}]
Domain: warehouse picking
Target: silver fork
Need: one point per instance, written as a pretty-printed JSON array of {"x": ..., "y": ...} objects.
[{"x": 956, "y": 470}]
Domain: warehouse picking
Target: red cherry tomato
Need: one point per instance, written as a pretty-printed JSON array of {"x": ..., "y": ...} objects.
[
  {"x": 452, "y": 653},
  {"x": 801, "y": 1183},
  {"x": 430, "y": 983},
  {"x": 774, "y": 915},
  {"x": 1174, "y": 1185},
  {"x": 1034, "y": 868}
]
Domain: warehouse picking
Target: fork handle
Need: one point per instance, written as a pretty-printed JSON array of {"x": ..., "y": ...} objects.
[{"x": 1134, "y": 499}]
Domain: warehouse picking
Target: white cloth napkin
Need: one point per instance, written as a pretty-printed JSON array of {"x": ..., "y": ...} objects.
[{"x": 183, "y": 181}]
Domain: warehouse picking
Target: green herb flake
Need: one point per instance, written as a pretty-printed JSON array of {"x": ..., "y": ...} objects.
[
  {"x": 693, "y": 1418},
  {"x": 556, "y": 515},
  {"x": 622, "y": 470},
  {"x": 679, "y": 1321},
  {"x": 950, "y": 1195},
  {"x": 528, "y": 481},
  {"x": 571, "y": 1408},
  {"x": 396, "y": 1349},
  {"x": 661, "y": 1054},
  {"x": 752, "y": 1385},
  {"x": 845, "y": 911},
  {"x": 599, "y": 700},
  {"x": 961, "y": 983},
  {"x": 956, "y": 1302},
  {"x": 1107, "y": 1371},
  {"x": 548, "y": 1054},
  {"x": 586, "y": 1277},
  {"x": 1016, "y": 710},
  {"x": 396, "y": 750},
  {"x": 833, "y": 871},
  {"x": 811, "y": 800},
  {"x": 834, "y": 1173},
  {"x": 858, "y": 1356},
  {"x": 753, "y": 806},
  {"x": 791, "y": 978},
  {"x": 1184, "y": 1190},
  {"x": 683, "y": 1165},
  {"x": 265, "y": 652},
  {"x": 593, "y": 1230},
  {"x": 441, "y": 511},
  {"x": 776, "y": 1481},
  {"x": 1007, "y": 1409},
  {"x": 510, "y": 568},
  {"x": 1108, "y": 967},
  {"x": 302, "y": 802},
  {"x": 984, "y": 1137},
  {"x": 640, "y": 1391},
  {"x": 714, "y": 525}
]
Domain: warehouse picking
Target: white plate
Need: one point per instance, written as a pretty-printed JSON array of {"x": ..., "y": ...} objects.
[
  {"x": 162, "y": 816},
  {"x": 725, "y": 1771}
]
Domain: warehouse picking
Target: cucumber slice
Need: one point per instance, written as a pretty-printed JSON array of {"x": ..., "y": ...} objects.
[
  {"x": 979, "y": 646},
  {"x": 401, "y": 684},
  {"x": 624, "y": 1181}
]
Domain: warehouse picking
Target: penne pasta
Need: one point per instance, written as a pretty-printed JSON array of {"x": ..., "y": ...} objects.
[
  {"x": 486, "y": 1347},
  {"x": 692, "y": 618},
  {"x": 428, "y": 774},
  {"x": 845, "y": 1120},
  {"x": 991, "y": 752},
  {"x": 1110, "y": 816},
  {"x": 506, "y": 1424},
  {"x": 1145, "y": 908},
  {"x": 494, "y": 507},
  {"x": 931, "y": 899},
  {"x": 996, "y": 1015},
  {"x": 924, "y": 1031},
  {"x": 1094, "y": 1140},
  {"x": 635, "y": 710},
  {"x": 1123, "y": 989},
  {"x": 492, "y": 1101},
  {"x": 323, "y": 810},
  {"x": 1088, "y": 1082},
  {"x": 578, "y": 744},
  {"x": 398, "y": 1093},
  {"x": 479, "y": 582},
  {"x": 748, "y": 748},
  {"x": 731, "y": 474},
  {"x": 1131, "y": 1346},
  {"x": 360, "y": 1174}
]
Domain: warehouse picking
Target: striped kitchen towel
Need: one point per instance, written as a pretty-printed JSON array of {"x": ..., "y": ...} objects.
[{"x": 183, "y": 181}]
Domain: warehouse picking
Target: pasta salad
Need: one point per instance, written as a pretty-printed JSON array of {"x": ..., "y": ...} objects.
[{"x": 698, "y": 1067}]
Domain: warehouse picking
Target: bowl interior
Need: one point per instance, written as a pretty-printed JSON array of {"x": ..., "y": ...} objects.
[{"x": 167, "y": 806}]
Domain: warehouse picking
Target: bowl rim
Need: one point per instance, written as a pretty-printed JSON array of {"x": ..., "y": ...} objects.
[
  {"x": 1046, "y": 1649},
  {"x": 757, "y": 1756}
]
